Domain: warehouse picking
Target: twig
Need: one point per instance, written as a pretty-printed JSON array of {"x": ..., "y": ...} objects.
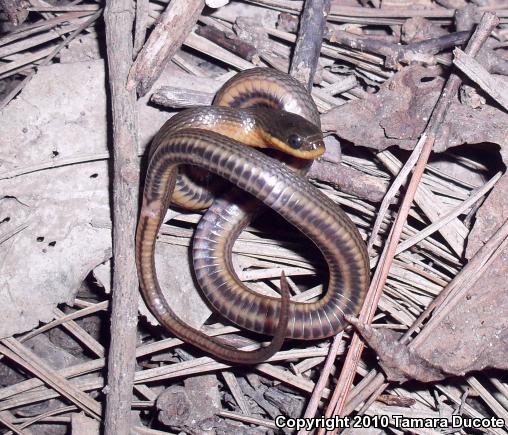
[
  {"x": 495, "y": 87},
  {"x": 349, "y": 180},
  {"x": 44, "y": 415},
  {"x": 400, "y": 179},
  {"x": 488, "y": 23},
  {"x": 71, "y": 8},
  {"x": 341, "y": 85},
  {"x": 18, "y": 353},
  {"x": 229, "y": 42},
  {"x": 43, "y": 38},
  {"x": 435, "y": 45},
  {"x": 489, "y": 399},
  {"x": 142, "y": 7},
  {"x": 12, "y": 232},
  {"x": 377, "y": 16},
  {"x": 81, "y": 335},
  {"x": 308, "y": 43},
  {"x": 396, "y": 53},
  {"x": 205, "y": 46},
  {"x": 21, "y": 61},
  {"x": 236, "y": 392},
  {"x": 172, "y": 28},
  {"x": 179, "y": 98},
  {"x": 455, "y": 232},
  {"x": 43, "y": 166},
  {"x": 119, "y": 17},
  {"x": 365, "y": 61},
  {"x": 375, "y": 387},
  {"x": 40, "y": 26},
  {"x": 62, "y": 318},
  {"x": 313, "y": 404},
  {"x": 8, "y": 425},
  {"x": 445, "y": 219}
]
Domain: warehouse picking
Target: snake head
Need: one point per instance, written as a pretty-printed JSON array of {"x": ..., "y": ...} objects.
[{"x": 291, "y": 134}]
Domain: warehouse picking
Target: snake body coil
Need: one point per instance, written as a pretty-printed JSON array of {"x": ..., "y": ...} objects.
[{"x": 279, "y": 188}]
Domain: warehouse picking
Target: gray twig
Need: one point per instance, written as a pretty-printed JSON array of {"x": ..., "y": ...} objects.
[
  {"x": 229, "y": 42},
  {"x": 396, "y": 53},
  {"x": 142, "y": 9},
  {"x": 308, "y": 43},
  {"x": 119, "y": 17},
  {"x": 172, "y": 28}
]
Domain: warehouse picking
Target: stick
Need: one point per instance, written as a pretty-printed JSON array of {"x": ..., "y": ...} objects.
[
  {"x": 172, "y": 28},
  {"x": 119, "y": 17},
  {"x": 180, "y": 98},
  {"x": 308, "y": 43},
  {"x": 313, "y": 404},
  {"x": 142, "y": 10},
  {"x": 23, "y": 356},
  {"x": 495, "y": 87},
  {"x": 396, "y": 53},
  {"x": 229, "y": 42},
  {"x": 349, "y": 180}
]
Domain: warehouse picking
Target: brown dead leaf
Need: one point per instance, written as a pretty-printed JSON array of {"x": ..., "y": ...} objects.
[
  {"x": 393, "y": 400},
  {"x": 399, "y": 112},
  {"x": 187, "y": 408},
  {"x": 489, "y": 217},
  {"x": 397, "y": 361},
  {"x": 475, "y": 334}
]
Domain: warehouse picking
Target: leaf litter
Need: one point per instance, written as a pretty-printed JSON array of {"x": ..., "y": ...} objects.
[{"x": 55, "y": 224}]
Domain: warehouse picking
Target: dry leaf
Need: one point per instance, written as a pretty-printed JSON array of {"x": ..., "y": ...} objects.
[
  {"x": 55, "y": 216},
  {"x": 399, "y": 112}
]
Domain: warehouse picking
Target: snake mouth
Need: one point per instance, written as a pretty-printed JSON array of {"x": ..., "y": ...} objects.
[{"x": 310, "y": 149}]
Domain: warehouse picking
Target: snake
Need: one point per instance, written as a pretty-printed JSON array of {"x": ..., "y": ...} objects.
[{"x": 213, "y": 139}]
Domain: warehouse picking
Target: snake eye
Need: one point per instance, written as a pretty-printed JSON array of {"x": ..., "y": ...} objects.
[{"x": 295, "y": 141}]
